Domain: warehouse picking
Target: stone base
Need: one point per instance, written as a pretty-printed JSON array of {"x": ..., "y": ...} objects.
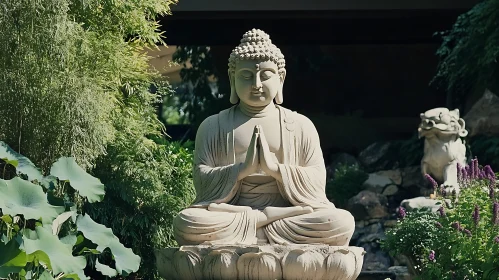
[{"x": 261, "y": 262}]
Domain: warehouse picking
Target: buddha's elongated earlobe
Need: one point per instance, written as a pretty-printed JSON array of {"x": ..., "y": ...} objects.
[
  {"x": 233, "y": 94},
  {"x": 279, "y": 97}
]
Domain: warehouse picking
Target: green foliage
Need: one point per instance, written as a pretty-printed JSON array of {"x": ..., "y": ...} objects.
[
  {"x": 469, "y": 51},
  {"x": 70, "y": 65},
  {"x": 44, "y": 233},
  {"x": 455, "y": 243},
  {"x": 147, "y": 185},
  {"x": 201, "y": 93},
  {"x": 347, "y": 182}
]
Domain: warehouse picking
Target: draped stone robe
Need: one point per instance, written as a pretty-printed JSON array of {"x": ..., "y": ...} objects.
[{"x": 303, "y": 184}]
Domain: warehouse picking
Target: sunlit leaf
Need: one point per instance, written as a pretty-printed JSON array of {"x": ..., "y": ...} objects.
[
  {"x": 60, "y": 258},
  {"x": 22, "y": 163},
  {"x": 57, "y": 223},
  {"x": 126, "y": 261},
  {"x": 46, "y": 276},
  {"x": 88, "y": 186},
  {"x": 105, "y": 270},
  {"x": 12, "y": 258},
  {"x": 21, "y": 197}
]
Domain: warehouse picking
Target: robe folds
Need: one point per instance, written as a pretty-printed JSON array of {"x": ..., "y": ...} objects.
[{"x": 303, "y": 184}]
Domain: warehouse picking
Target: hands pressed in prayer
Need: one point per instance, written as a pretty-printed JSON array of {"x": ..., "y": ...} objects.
[
  {"x": 259, "y": 156},
  {"x": 268, "y": 165}
]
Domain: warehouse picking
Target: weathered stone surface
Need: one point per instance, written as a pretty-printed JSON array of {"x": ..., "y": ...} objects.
[
  {"x": 483, "y": 117},
  {"x": 375, "y": 259},
  {"x": 390, "y": 190},
  {"x": 368, "y": 205},
  {"x": 401, "y": 272},
  {"x": 395, "y": 175},
  {"x": 377, "y": 183},
  {"x": 373, "y": 157},
  {"x": 390, "y": 223},
  {"x": 420, "y": 202},
  {"x": 263, "y": 262},
  {"x": 414, "y": 181}
]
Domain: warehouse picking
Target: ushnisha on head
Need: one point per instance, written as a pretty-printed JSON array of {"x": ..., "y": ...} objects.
[
  {"x": 256, "y": 70},
  {"x": 442, "y": 121}
]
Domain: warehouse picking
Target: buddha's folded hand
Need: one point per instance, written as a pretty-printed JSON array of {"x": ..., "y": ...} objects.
[
  {"x": 267, "y": 162},
  {"x": 250, "y": 164}
]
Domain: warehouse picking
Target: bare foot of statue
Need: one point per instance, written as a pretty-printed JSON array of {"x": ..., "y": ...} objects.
[{"x": 271, "y": 214}]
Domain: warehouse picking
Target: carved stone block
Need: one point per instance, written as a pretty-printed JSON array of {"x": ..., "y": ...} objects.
[{"x": 233, "y": 262}]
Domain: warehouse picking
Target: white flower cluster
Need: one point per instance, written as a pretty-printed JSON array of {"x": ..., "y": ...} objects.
[{"x": 257, "y": 45}]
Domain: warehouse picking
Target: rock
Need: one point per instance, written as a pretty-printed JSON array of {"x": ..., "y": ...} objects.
[
  {"x": 373, "y": 158},
  {"x": 401, "y": 272},
  {"x": 420, "y": 202},
  {"x": 414, "y": 181},
  {"x": 375, "y": 259},
  {"x": 368, "y": 205},
  {"x": 390, "y": 190},
  {"x": 377, "y": 183},
  {"x": 483, "y": 117},
  {"x": 260, "y": 262},
  {"x": 338, "y": 160},
  {"x": 394, "y": 175}
]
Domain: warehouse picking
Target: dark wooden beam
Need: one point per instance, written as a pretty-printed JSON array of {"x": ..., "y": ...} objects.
[{"x": 309, "y": 27}]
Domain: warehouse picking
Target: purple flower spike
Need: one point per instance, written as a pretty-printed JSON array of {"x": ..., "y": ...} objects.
[
  {"x": 401, "y": 212},
  {"x": 495, "y": 213},
  {"x": 438, "y": 224},
  {"x": 441, "y": 210},
  {"x": 476, "y": 215},
  {"x": 496, "y": 240},
  {"x": 431, "y": 256},
  {"x": 489, "y": 172},
  {"x": 431, "y": 180},
  {"x": 456, "y": 226},
  {"x": 467, "y": 232},
  {"x": 491, "y": 192},
  {"x": 476, "y": 170},
  {"x": 468, "y": 172}
]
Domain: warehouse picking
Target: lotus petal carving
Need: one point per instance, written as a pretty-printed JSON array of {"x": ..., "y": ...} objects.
[
  {"x": 259, "y": 266},
  {"x": 300, "y": 264},
  {"x": 220, "y": 265}
]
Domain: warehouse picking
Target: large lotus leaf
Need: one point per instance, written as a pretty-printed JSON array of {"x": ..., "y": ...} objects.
[
  {"x": 126, "y": 261},
  {"x": 18, "y": 196},
  {"x": 22, "y": 163},
  {"x": 46, "y": 276},
  {"x": 57, "y": 223},
  {"x": 12, "y": 258},
  {"x": 105, "y": 270},
  {"x": 59, "y": 254},
  {"x": 88, "y": 186}
]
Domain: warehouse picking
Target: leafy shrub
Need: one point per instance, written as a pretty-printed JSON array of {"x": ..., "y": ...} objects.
[
  {"x": 469, "y": 52},
  {"x": 70, "y": 65},
  {"x": 347, "y": 182},
  {"x": 147, "y": 185},
  {"x": 44, "y": 232},
  {"x": 460, "y": 240}
]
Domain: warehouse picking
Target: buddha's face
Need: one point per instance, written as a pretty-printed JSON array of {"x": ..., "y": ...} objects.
[{"x": 257, "y": 82}]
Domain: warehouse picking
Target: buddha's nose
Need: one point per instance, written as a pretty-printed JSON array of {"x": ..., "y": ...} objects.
[{"x": 257, "y": 82}]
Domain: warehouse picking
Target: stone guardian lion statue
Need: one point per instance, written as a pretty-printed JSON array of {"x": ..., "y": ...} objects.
[{"x": 443, "y": 146}]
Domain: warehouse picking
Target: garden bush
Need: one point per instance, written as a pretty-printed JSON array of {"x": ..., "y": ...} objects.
[
  {"x": 347, "y": 182},
  {"x": 461, "y": 239},
  {"x": 45, "y": 234}
]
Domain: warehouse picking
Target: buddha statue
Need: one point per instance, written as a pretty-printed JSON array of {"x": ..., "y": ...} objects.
[{"x": 259, "y": 171}]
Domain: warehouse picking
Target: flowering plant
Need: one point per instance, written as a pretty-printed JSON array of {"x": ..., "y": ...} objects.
[{"x": 461, "y": 239}]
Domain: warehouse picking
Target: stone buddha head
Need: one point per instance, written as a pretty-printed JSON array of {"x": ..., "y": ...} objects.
[{"x": 256, "y": 70}]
